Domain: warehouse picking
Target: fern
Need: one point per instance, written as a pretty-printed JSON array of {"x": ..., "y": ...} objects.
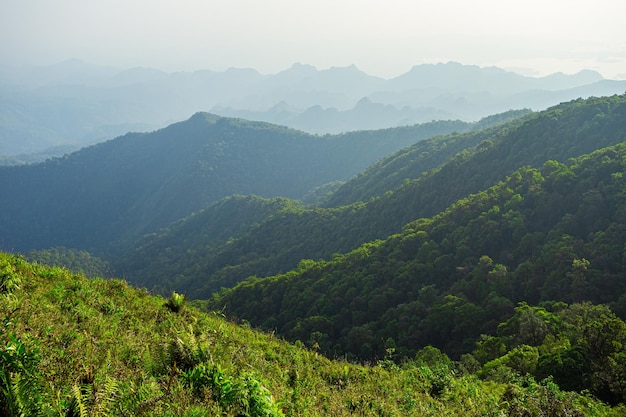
[
  {"x": 77, "y": 406},
  {"x": 256, "y": 400},
  {"x": 20, "y": 391},
  {"x": 176, "y": 302},
  {"x": 105, "y": 398},
  {"x": 10, "y": 280},
  {"x": 246, "y": 396},
  {"x": 186, "y": 350},
  {"x": 27, "y": 394},
  {"x": 93, "y": 401}
]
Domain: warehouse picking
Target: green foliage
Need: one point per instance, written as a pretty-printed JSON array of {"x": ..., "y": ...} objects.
[
  {"x": 63, "y": 355},
  {"x": 412, "y": 162},
  {"x": 540, "y": 399},
  {"x": 20, "y": 393},
  {"x": 198, "y": 257},
  {"x": 521, "y": 359},
  {"x": 174, "y": 258},
  {"x": 77, "y": 261},
  {"x": 9, "y": 278},
  {"x": 245, "y": 396},
  {"x": 92, "y": 400},
  {"x": 186, "y": 350},
  {"x": 267, "y": 238},
  {"x": 530, "y": 261},
  {"x": 104, "y": 197},
  {"x": 176, "y": 302},
  {"x": 581, "y": 348},
  {"x": 446, "y": 280},
  {"x": 436, "y": 369}
]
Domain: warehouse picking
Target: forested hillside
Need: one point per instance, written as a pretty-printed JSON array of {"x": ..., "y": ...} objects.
[
  {"x": 71, "y": 346},
  {"x": 108, "y": 195},
  {"x": 411, "y": 163},
  {"x": 279, "y": 242},
  {"x": 184, "y": 256},
  {"x": 201, "y": 237},
  {"x": 542, "y": 235},
  {"x": 477, "y": 272}
]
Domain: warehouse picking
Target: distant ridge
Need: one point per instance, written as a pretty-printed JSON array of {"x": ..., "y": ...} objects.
[
  {"x": 416, "y": 182},
  {"x": 534, "y": 215},
  {"x": 118, "y": 190},
  {"x": 74, "y": 103}
]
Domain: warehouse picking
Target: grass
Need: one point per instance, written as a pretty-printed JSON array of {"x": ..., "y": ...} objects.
[{"x": 100, "y": 347}]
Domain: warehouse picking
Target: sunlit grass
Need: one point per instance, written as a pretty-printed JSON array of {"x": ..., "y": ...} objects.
[{"x": 105, "y": 348}]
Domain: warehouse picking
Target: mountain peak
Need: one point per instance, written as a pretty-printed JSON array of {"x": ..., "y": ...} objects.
[
  {"x": 298, "y": 66},
  {"x": 204, "y": 117},
  {"x": 347, "y": 69}
]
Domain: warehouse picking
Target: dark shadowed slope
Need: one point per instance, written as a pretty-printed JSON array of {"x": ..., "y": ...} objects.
[
  {"x": 114, "y": 192},
  {"x": 279, "y": 242}
]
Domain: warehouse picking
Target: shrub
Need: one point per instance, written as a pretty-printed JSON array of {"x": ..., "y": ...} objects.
[
  {"x": 176, "y": 302},
  {"x": 186, "y": 350},
  {"x": 246, "y": 396},
  {"x": 10, "y": 280},
  {"x": 20, "y": 392}
]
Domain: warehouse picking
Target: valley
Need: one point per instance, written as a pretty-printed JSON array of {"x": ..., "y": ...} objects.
[{"x": 458, "y": 256}]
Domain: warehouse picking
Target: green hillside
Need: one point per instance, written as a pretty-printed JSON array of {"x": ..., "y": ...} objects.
[
  {"x": 278, "y": 243},
  {"x": 477, "y": 273},
  {"x": 106, "y": 196},
  {"x": 410, "y": 163},
  {"x": 70, "y": 346},
  {"x": 187, "y": 247},
  {"x": 543, "y": 235}
]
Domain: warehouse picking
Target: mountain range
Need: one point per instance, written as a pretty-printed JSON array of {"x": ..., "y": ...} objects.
[
  {"x": 499, "y": 242},
  {"x": 73, "y": 104},
  {"x": 105, "y": 196},
  {"x": 419, "y": 181}
]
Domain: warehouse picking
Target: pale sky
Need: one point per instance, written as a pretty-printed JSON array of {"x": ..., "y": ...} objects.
[{"x": 383, "y": 38}]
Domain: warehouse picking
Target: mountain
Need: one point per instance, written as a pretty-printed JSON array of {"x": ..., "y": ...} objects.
[
  {"x": 531, "y": 227},
  {"x": 411, "y": 163},
  {"x": 364, "y": 115},
  {"x": 182, "y": 251},
  {"x": 73, "y": 346},
  {"x": 276, "y": 242},
  {"x": 419, "y": 181},
  {"x": 503, "y": 248},
  {"x": 77, "y": 104},
  {"x": 541, "y": 235},
  {"x": 114, "y": 192},
  {"x": 471, "y": 78}
]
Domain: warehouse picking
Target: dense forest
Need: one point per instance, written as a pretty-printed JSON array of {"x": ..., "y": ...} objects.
[
  {"x": 271, "y": 237},
  {"x": 410, "y": 163},
  {"x": 71, "y": 346},
  {"x": 191, "y": 262},
  {"x": 474, "y": 268},
  {"x": 542, "y": 235},
  {"x": 104, "y": 197}
]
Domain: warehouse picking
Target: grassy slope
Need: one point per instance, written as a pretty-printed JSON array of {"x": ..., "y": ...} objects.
[{"x": 105, "y": 348}]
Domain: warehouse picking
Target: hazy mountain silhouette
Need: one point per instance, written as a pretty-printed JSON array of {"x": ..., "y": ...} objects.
[
  {"x": 74, "y": 103},
  {"x": 139, "y": 182}
]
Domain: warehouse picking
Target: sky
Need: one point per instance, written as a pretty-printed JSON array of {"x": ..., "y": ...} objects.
[{"x": 383, "y": 38}]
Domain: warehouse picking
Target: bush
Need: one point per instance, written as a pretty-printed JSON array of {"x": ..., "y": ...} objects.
[
  {"x": 176, "y": 302},
  {"x": 20, "y": 392},
  {"x": 10, "y": 280},
  {"x": 246, "y": 396}
]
